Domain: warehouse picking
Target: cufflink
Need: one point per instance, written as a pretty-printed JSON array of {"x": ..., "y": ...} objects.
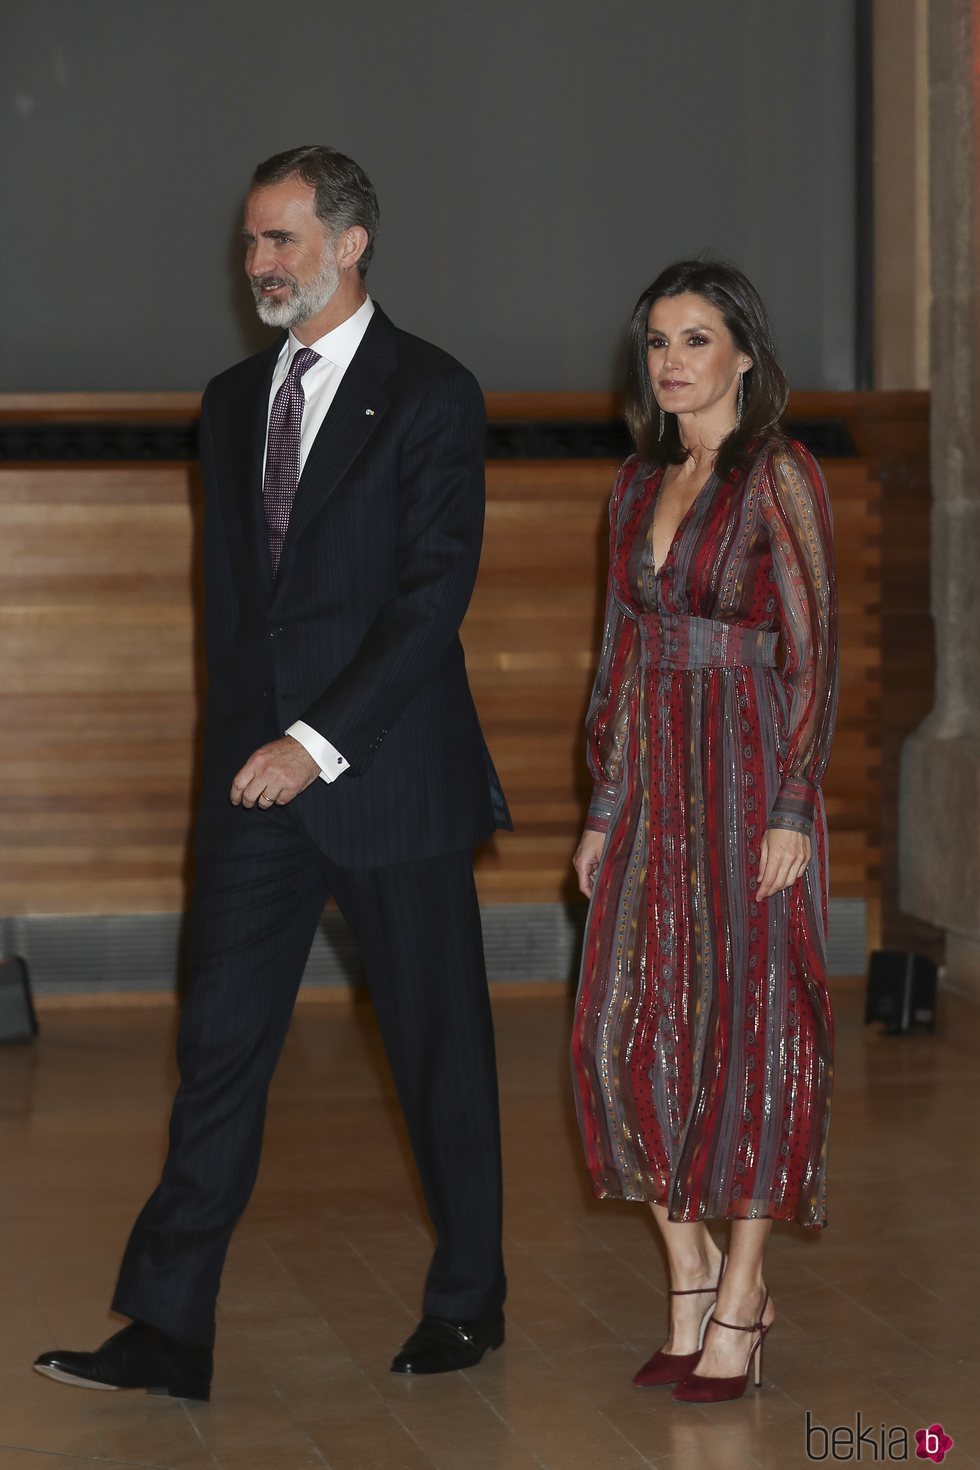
[{"x": 369, "y": 412}]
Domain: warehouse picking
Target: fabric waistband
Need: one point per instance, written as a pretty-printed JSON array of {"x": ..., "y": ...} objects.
[{"x": 675, "y": 641}]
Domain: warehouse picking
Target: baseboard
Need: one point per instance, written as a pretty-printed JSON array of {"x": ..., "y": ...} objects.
[{"x": 106, "y": 954}]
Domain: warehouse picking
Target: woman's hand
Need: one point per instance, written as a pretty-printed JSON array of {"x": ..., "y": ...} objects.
[
  {"x": 783, "y": 858},
  {"x": 586, "y": 859}
]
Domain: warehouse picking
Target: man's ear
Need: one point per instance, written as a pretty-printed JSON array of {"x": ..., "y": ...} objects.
[{"x": 351, "y": 246}]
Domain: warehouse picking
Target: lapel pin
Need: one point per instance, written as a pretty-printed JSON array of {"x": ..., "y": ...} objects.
[{"x": 369, "y": 412}]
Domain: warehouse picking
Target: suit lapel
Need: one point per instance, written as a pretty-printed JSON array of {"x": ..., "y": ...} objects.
[{"x": 353, "y": 417}]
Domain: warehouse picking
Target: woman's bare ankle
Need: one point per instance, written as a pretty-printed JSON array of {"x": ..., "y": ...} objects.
[
  {"x": 742, "y": 1299},
  {"x": 695, "y": 1272}
]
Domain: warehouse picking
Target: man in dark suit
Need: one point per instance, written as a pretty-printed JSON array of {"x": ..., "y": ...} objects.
[{"x": 343, "y": 474}]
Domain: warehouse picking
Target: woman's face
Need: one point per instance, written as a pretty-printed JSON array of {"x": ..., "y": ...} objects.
[{"x": 692, "y": 358}]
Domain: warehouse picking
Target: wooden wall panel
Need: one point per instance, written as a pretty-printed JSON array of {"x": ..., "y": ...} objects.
[
  {"x": 98, "y": 686},
  {"x": 99, "y": 679}
]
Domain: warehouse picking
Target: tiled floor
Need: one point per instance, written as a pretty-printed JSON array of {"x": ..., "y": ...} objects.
[{"x": 879, "y": 1315}]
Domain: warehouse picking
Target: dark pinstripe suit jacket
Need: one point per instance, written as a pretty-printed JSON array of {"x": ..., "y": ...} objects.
[{"x": 358, "y": 633}]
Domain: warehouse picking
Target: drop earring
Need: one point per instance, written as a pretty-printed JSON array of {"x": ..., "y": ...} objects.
[
  {"x": 739, "y": 401},
  {"x": 662, "y": 420}
]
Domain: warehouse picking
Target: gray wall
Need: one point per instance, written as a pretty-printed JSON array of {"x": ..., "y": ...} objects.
[{"x": 537, "y": 162}]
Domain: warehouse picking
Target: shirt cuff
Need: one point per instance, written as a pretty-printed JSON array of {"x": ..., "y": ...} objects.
[{"x": 327, "y": 757}]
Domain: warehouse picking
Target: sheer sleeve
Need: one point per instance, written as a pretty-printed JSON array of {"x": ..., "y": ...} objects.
[
  {"x": 797, "y": 510},
  {"x": 614, "y": 692}
]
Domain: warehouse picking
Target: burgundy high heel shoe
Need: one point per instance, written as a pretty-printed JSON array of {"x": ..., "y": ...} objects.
[
  {"x": 697, "y": 1390},
  {"x": 665, "y": 1368}
]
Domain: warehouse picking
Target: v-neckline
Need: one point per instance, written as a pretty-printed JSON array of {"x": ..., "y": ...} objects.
[{"x": 680, "y": 524}]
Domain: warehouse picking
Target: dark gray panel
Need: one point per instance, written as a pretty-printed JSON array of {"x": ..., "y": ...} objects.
[{"x": 537, "y": 164}]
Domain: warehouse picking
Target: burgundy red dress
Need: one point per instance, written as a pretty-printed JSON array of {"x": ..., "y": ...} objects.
[{"x": 702, "y": 1047}]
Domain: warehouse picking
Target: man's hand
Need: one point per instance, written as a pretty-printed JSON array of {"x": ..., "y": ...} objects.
[
  {"x": 784, "y": 858},
  {"x": 274, "y": 775},
  {"x": 586, "y": 859}
]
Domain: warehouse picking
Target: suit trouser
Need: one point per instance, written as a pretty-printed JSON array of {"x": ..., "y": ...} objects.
[{"x": 258, "y": 899}]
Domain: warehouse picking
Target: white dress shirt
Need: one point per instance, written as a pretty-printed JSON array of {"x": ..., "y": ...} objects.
[{"x": 320, "y": 384}]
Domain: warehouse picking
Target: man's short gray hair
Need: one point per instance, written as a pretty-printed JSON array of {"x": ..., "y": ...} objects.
[{"x": 344, "y": 195}]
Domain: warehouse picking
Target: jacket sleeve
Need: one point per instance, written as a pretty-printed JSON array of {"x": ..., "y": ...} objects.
[
  {"x": 440, "y": 532},
  {"x": 220, "y": 600},
  {"x": 796, "y": 507},
  {"x": 614, "y": 692}
]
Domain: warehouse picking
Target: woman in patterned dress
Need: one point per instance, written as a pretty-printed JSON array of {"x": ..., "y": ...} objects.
[{"x": 702, "y": 1046}]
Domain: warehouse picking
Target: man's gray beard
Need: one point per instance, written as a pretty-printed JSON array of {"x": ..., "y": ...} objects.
[{"x": 302, "y": 302}]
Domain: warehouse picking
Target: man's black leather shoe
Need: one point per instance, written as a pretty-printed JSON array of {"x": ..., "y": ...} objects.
[
  {"x": 440, "y": 1346},
  {"x": 139, "y": 1356}
]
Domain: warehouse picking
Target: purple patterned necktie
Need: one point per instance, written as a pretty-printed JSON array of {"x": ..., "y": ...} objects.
[{"x": 282, "y": 452}]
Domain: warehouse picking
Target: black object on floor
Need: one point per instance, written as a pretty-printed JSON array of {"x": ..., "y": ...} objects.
[
  {"x": 901, "y": 991},
  {"x": 17, "y": 1019}
]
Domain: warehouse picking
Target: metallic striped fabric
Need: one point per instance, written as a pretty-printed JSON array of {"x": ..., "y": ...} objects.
[
  {"x": 282, "y": 451},
  {"x": 702, "y": 1045}
]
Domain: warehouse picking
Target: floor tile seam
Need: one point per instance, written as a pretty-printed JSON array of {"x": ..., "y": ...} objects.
[
  {"x": 965, "y": 1377},
  {"x": 789, "y": 1395},
  {"x": 562, "y": 1392},
  {"x": 630, "y": 1267},
  {"x": 353, "y": 1248},
  {"x": 644, "y": 1459},
  {"x": 900, "y": 1276},
  {"x": 411, "y": 1219},
  {"x": 833, "y": 1289},
  {"x": 732, "y": 1440},
  {"x": 297, "y": 1427},
  {"x": 880, "y": 1321},
  {"x": 931, "y": 1353},
  {"x": 71, "y": 1455},
  {"x": 373, "y": 1271},
  {"x": 407, "y": 1429},
  {"x": 877, "y": 1388},
  {"x": 568, "y": 1291},
  {"x": 186, "y": 1411},
  {"x": 287, "y": 1272},
  {"x": 365, "y": 1378},
  {"x": 514, "y": 1434}
]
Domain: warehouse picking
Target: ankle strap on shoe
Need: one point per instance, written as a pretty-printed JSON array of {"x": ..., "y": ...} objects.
[
  {"x": 737, "y": 1326},
  {"x": 700, "y": 1290}
]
